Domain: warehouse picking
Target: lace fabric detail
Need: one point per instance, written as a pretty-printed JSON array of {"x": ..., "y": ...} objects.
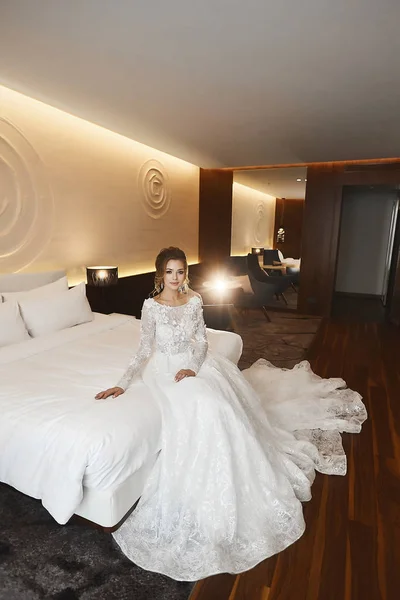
[
  {"x": 170, "y": 330},
  {"x": 239, "y": 452}
]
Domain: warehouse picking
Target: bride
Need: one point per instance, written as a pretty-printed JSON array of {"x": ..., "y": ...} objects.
[{"x": 239, "y": 449}]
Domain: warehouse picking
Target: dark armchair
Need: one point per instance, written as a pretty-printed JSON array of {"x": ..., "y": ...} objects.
[
  {"x": 260, "y": 298},
  {"x": 280, "y": 283},
  {"x": 271, "y": 256},
  {"x": 294, "y": 274}
]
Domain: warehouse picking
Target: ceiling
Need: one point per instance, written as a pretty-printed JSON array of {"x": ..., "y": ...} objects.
[
  {"x": 280, "y": 183},
  {"x": 217, "y": 82}
]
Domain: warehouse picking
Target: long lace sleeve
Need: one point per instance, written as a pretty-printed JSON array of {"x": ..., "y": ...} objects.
[
  {"x": 147, "y": 334},
  {"x": 199, "y": 342}
]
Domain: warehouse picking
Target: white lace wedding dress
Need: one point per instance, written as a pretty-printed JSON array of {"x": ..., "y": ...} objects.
[{"x": 239, "y": 451}]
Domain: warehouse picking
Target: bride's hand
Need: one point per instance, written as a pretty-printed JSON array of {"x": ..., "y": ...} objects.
[
  {"x": 184, "y": 373},
  {"x": 114, "y": 392}
]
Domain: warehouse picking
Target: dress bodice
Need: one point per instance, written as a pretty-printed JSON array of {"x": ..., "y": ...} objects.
[{"x": 171, "y": 330}]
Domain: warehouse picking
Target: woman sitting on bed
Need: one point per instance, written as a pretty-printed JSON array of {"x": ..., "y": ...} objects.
[{"x": 239, "y": 450}]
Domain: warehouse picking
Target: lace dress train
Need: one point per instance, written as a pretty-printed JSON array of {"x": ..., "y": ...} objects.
[{"x": 239, "y": 451}]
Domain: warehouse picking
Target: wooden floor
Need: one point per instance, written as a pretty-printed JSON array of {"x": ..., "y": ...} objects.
[
  {"x": 356, "y": 308},
  {"x": 351, "y": 547}
]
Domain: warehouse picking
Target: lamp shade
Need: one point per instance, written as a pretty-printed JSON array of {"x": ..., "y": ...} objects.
[
  {"x": 101, "y": 276},
  {"x": 257, "y": 250}
]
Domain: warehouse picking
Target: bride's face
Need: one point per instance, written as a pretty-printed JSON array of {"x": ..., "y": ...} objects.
[{"x": 174, "y": 275}]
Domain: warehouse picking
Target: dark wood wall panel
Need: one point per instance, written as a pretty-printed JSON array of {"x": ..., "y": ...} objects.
[
  {"x": 321, "y": 225},
  {"x": 394, "y": 278},
  {"x": 320, "y": 239},
  {"x": 380, "y": 177},
  {"x": 215, "y": 215},
  {"x": 394, "y": 312},
  {"x": 293, "y": 212}
]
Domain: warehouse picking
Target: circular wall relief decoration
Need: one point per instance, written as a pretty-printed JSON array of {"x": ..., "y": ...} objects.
[
  {"x": 26, "y": 201},
  {"x": 260, "y": 224},
  {"x": 154, "y": 188}
]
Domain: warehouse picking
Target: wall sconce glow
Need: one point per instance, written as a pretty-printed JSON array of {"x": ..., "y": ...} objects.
[
  {"x": 219, "y": 284},
  {"x": 257, "y": 250},
  {"x": 298, "y": 179},
  {"x": 280, "y": 236},
  {"x": 101, "y": 276}
]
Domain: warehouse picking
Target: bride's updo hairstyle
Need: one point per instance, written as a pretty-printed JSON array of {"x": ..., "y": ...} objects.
[{"x": 165, "y": 255}]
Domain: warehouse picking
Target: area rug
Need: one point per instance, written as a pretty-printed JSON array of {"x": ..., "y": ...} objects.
[
  {"x": 41, "y": 560},
  {"x": 284, "y": 341}
]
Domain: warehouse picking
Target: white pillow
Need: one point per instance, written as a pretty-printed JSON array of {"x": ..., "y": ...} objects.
[
  {"x": 66, "y": 309},
  {"x": 12, "y": 327},
  {"x": 245, "y": 284},
  {"x": 40, "y": 292}
]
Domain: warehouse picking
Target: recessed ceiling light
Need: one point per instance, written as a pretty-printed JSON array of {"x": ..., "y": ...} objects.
[{"x": 299, "y": 180}]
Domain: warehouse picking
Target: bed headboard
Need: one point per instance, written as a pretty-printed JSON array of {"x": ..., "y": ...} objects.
[{"x": 20, "y": 282}]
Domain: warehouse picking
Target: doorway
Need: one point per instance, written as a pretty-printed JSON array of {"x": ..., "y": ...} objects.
[{"x": 366, "y": 239}]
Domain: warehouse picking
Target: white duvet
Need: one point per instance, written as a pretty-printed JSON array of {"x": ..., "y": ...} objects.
[{"x": 54, "y": 436}]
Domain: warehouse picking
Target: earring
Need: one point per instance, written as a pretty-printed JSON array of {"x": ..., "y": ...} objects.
[{"x": 161, "y": 286}]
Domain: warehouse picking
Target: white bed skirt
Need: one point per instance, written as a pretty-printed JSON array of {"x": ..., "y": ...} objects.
[{"x": 108, "y": 507}]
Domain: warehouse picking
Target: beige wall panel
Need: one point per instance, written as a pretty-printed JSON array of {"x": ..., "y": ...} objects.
[
  {"x": 74, "y": 194},
  {"x": 253, "y": 217}
]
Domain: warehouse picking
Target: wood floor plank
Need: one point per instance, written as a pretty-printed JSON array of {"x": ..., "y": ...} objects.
[
  {"x": 292, "y": 573},
  {"x": 334, "y": 532},
  {"x": 351, "y": 547},
  {"x": 255, "y": 584},
  {"x": 218, "y": 587}
]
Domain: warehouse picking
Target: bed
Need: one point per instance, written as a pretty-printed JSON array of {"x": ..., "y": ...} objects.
[{"x": 57, "y": 443}]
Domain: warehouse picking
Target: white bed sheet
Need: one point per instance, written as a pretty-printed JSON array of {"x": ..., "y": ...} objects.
[{"x": 54, "y": 436}]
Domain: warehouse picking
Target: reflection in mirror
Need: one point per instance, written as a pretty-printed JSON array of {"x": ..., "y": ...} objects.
[{"x": 267, "y": 217}]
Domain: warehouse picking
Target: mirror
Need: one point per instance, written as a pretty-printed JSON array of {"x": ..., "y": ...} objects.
[{"x": 267, "y": 218}]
